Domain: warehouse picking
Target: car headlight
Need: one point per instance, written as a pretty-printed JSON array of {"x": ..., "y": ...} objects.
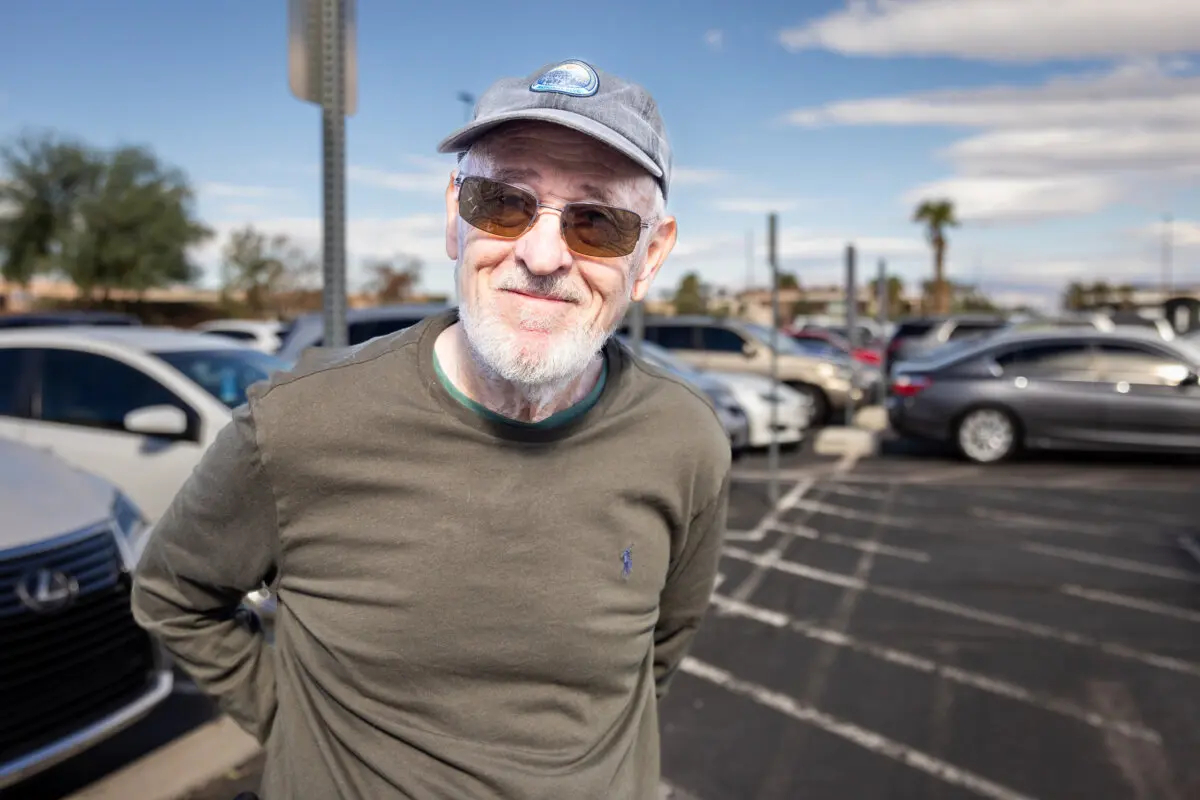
[
  {"x": 129, "y": 521},
  {"x": 723, "y": 398}
]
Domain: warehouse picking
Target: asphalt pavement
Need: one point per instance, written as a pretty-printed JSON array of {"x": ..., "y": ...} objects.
[
  {"x": 917, "y": 627},
  {"x": 911, "y": 626}
]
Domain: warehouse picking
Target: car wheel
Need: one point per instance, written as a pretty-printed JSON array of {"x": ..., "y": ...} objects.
[
  {"x": 987, "y": 435},
  {"x": 816, "y": 401}
]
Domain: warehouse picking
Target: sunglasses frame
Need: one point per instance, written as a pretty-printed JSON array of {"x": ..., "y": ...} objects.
[{"x": 539, "y": 206}]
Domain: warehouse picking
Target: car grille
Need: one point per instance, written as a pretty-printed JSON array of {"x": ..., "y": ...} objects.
[{"x": 63, "y": 670}]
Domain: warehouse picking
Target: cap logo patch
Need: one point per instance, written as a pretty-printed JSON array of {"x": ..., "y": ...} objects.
[{"x": 573, "y": 78}]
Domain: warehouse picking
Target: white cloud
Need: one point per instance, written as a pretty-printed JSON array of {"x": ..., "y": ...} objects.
[
  {"x": 1150, "y": 93},
  {"x": 1181, "y": 233},
  {"x": 714, "y": 39},
  {"x": 1004, "y": 30},
  {"x": 216, "y": 189},
  {"x": 1006, "y": 199},
  {"x": 1072, "y": 146},
  {"x": 750, "y": 205},
  {"x": 692, "y": 176},
  {"x": 432, "y": 179}
]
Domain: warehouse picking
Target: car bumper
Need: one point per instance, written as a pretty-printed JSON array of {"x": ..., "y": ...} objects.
[
  {"x": 56, "y": 752},
  {"x": 905, "y": 417},
  {"x": 789, "y": 424}
]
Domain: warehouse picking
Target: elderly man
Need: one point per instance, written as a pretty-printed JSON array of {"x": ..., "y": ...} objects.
[{"x": 494, "y": 534}]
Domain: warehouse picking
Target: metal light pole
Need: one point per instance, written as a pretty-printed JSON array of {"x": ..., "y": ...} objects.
[
  {"x": 851, "y": 318},
  {"x": 1168, "y": 280},
  {"x": 333, "y": 147},
  {"x": 773, "y": 448},
  {"x": 468, "y": 101},
  {"x": 883, "y": 297},
  {"x": 322, "y": 69}
]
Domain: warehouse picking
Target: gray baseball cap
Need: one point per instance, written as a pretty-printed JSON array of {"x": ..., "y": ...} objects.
[{"x": 576, "y": 95}]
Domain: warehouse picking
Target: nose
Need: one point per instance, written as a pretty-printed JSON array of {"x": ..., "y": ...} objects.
[{"x": 541, "y": 249}]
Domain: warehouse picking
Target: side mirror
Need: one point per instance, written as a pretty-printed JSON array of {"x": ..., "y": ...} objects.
[
  {"x": 749, "y": 349},
  {"x": 1192, "y": 379},
  {"x": 157, "y": 421}
]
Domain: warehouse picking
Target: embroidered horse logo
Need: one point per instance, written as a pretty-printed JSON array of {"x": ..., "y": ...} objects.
[{"x": 627, "y": 561}]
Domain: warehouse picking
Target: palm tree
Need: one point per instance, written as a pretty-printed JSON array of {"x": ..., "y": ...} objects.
[{"x": 937, "y": 215}]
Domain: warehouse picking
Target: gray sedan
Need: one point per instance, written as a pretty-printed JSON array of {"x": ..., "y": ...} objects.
[{"x": 1052, "y": 389}]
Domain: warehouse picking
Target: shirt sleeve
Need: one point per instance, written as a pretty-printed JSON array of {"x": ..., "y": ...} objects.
[
  {"x": 689, "y": 586},
  {"x": 217, "y": 541}
]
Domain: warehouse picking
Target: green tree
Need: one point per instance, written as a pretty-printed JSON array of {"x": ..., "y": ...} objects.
[
  {"x": 1074, "y": 297},
  {"x": 43, "y": 180},
  {"x": 895, "y": 294},
  {"x": 788, "y": 280},
  {"x": 689, "y": 297},
  {"x": 133, "y": 226},
  {"x": 937, "y": 216}
]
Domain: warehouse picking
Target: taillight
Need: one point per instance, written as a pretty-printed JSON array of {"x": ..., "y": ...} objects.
[{"x": 910, "y": 385}]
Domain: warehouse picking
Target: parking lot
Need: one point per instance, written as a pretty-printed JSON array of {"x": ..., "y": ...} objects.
[
  {"x": 915, "y": 627},
  {"x": 911, "y": 626}
]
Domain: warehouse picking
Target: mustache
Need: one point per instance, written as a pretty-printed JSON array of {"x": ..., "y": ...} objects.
[{"x": 553, "y": 287}]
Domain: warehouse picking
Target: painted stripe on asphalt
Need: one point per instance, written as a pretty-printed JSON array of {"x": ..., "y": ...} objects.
[
  {"x": 853, "y": 542},
  {"x": 752, "y": 581},
  {"x": 727, "y": 606},
  {"x": 862, "y": 737},
  {"x": 1139, "y": 603},
  {"x": 979, "y": 615},
  {"x": 771, "y": 517},
  {"x": 1112, "y": 562}
]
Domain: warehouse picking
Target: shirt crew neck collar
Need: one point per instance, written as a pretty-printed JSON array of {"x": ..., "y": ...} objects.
[{"x": 558, "y": 426}]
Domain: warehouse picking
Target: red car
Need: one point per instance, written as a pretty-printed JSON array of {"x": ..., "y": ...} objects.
[{"x": 863, "y": 355}]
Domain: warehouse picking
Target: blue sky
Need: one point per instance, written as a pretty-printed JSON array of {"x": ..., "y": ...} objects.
[{"x": 1063, "y": 138}]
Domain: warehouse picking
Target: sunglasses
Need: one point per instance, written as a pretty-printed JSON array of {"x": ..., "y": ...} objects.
[{"x": 589, "y": 229}]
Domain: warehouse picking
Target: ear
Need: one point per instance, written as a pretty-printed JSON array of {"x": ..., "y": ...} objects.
[
  {"x": 661, "y": 245},
  {"x": 452, "y": 217}
]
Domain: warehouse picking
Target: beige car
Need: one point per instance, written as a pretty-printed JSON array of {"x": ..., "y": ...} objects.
[{"x": 724, "y": 345}]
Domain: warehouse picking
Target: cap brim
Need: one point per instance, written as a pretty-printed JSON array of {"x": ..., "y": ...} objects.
[{"x": 464, "y": 137}]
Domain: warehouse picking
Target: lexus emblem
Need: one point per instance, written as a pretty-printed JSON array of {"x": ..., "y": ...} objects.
[{"x": 47, "y": 590}]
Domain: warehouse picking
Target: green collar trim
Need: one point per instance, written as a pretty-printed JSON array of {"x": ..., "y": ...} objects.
[{"x": 552, "y": 421}]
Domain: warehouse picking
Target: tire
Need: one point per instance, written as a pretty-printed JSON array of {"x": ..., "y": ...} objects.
[
  {"x": 820, "y": 403},
  {"x": 987, "y": 435}
]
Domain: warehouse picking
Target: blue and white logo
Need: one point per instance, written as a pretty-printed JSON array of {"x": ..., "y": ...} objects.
[{"x": 574, "y": 78}]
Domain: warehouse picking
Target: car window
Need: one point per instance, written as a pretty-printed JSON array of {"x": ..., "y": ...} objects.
[
  {"x": 672, "y": 337},
  {"x": 1134, "y": 363},
  {"x": 964, "y": 330},
  {"x": 359, "y": 332},
  {"x": 93, "y": 390},
  {"x": 10, "y": 381},
  {"x": 907, "y": 330},
  {"x": 787, "y": 345},
  {"x": 721, "y": 340},
  {"x": 1048, "y": 360},
  {"x": 224, "y": 374}
]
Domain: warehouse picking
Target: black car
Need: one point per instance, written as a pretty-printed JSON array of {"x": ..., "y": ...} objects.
[
  {"x": 44, "y": 319},
  {"x": 1052, "y": 389}
]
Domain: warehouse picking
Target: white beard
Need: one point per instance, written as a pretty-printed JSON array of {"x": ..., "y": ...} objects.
[{"x": 508, "y": 354}]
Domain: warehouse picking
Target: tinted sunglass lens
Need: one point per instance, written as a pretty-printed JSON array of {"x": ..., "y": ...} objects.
[
  {"x": 494, "y": 207},
  {"x": 601, "y": 231}
]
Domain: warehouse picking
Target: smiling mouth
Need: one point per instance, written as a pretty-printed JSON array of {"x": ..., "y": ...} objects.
[{"x": 542, "y": 297}]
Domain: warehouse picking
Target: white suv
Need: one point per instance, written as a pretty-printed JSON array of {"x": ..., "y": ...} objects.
[{"x": 74, "y": 666}]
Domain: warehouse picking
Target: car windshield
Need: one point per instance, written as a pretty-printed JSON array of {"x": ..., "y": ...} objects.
[
  {"x": 226, "y": 374},
  {"x": 787, "y": 345}
]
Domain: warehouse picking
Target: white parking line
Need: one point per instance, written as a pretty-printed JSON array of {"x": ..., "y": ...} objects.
[
  {"x": 755, "y": 578},
  {"x": 771, "y": 517},
  {"x": 967, "y": 612},
  {"x": 1055, "y": 524},
  {"x": 1055, "y": 503},
  {"x": 1139, "y": 603},
  {"x": 985, "y": 683},
  {"x": 853, "y": 542},
  {"x": 866, "y": 739},
  {"x": 1112, "y": 562},
  {"x": 834, "y": 510}
]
